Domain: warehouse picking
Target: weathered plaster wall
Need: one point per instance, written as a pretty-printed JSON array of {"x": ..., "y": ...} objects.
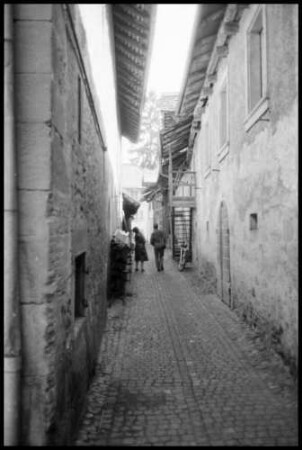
[
  {"x": 258, "y": 175},
  {"x": 97, "y": 22},
  {"x": 66, "y": 194}
]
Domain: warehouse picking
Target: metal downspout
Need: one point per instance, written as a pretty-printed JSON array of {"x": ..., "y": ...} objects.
[{"x": 12, "y": 342}]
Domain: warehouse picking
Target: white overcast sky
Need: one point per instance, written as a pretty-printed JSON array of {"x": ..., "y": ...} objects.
[{"x": 172, "y": 37}]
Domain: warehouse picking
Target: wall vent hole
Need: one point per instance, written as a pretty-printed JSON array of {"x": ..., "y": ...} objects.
[{"x": 253, "y": 221}]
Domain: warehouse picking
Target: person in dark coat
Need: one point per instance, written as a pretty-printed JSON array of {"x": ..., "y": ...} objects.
[
  {"x": 140, "y": 252},
  {"x": 158, "y": 240}
]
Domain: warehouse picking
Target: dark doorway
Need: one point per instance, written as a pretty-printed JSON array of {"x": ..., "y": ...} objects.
[
  {"x": 224, "y": 284},
  {"x": 79, "y": 304}
]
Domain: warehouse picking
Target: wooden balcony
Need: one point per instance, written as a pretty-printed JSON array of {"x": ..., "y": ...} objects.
[{"x": 183, "y": 192}]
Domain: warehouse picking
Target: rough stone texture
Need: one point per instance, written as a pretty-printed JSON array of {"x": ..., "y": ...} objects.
[
  {"x": 258, "y": 175},
  {"x": 178, "y": 367},
  {"x": 64, "y": 196}
]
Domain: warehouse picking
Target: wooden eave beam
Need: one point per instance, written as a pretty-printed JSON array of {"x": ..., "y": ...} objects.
[
  {"x": 192, "y": 95},
  {"x": 134, "y": 41},
  {"x": 133, "y": 96},
  {"x": 213, "y": 17},
  {"x": 141, "y": 17},
  {"x": 205, "y": 41},
  {"x": 128, "y": 108},
  {"x": 133, "y": 27},
  {"x": 176, "y": 140},
  {"x": 201, "y": 58},
  {"x": 127, "y": 64},
  {"x": 131, "y": 44},
  {"x": 123, "y": 44},
  {"x": 176, "y": 145},
  {"x": 194, "y": 86},
  {"x": 190, "y": 106},
  {"x": 123, "y": 55},
  {"x": 230, "y": 28},
  {"x": 125, "y": 73},
  {"x": 175, "y": 130},
  {"x": 222, "y": 50},
  {"x": 197, "y": 72}
]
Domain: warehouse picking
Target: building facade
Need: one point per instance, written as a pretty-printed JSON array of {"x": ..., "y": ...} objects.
[
  {"x": 245, "y": 154},
  {"x": 62, "y": 205}
]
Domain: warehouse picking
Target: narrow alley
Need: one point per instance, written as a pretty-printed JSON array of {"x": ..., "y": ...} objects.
[{"x": 178, "y": 367}]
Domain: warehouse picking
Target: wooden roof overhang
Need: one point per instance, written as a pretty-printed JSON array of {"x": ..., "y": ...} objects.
[
  {"x": 208, "y": 21},
  {"x": 175, "y": 138},
  {"x": 133, "y": 27},
  {"x": 215, "y": 25}
]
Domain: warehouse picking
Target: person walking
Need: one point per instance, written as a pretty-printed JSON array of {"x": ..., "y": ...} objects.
[
  {"x": 158, "y": 240},
  {"x": 140, "y": 252}
]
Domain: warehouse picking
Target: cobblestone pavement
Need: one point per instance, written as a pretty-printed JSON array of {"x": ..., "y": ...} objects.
[{"x": 177, "y": 367}]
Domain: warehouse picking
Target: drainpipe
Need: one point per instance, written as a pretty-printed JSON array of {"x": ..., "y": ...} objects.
[{"x": 12, "y": 341}]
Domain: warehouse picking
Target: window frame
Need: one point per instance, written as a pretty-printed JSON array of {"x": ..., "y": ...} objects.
[
  {"x": 223, "y": 148},
  {"x": 79, "y": 110},
  {"x": 207, "y": 154},
  {"x": 262, "y": 105}
]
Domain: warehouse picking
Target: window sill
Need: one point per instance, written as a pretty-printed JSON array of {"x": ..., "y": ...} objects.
[
  {"x": 223, "y": 151},
  {"x": 258, "y": 111}
]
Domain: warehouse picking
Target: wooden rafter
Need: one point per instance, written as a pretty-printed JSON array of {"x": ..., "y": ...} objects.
[
  {"x": 140, "y": 16},
  {"x": 122, "y": 21}
]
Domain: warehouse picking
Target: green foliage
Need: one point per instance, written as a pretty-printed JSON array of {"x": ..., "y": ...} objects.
[{"x": 145, "y": 154}]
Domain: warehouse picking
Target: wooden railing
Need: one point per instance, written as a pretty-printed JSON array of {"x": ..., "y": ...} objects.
[{"x": 183, "y": 189}]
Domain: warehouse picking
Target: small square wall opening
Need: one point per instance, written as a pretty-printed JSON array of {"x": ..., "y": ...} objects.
[{"x": 253, "y": 221}]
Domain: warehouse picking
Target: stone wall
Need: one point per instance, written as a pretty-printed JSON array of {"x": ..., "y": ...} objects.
[
  {"x": 258, "y": 175},
  {"x": 66, "y": 208}
]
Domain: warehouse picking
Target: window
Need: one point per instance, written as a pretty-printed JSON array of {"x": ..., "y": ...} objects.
[
  {"x": 207, "y": 146},
  {"x": 256, "y": 67},
  {"x": 223, "y": 138},
  {"x": 79, "y": 110},
  {"x": 223, "y": 116},
  {"x": 80, "y": 302}
]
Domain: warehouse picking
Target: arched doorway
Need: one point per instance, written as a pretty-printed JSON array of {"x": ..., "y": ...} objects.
[{"x": 224, "y": 284}]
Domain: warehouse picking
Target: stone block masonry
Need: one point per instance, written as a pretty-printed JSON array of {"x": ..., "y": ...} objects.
[{"x": 64, "y": 182}]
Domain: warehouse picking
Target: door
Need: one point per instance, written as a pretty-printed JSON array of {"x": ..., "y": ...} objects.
[
  {"x": 224, "y": 255},
  {"x": 182, "y": 231}
]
